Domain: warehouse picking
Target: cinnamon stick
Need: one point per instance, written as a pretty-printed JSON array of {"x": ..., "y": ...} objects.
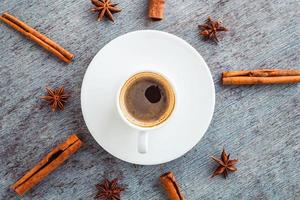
[
  {"x": 48, "y": 164},
  {"x": 169, "y": 182},
  {"x": 156, "y": 9},
  {"x": 37, "y": 37},
  {"x": 261, "y": 76}
]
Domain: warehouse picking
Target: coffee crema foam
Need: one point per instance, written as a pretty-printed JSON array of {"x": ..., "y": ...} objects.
[{"x": 147, "y": 99}]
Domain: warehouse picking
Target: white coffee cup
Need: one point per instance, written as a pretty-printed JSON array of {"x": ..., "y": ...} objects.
[{"x": 143, "y": 131}]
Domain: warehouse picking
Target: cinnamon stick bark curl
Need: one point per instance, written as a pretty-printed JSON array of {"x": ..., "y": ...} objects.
[
  {"x": 48, "y": 164},
  {"x": 169, "y": 182},
  {"x": 264, "y": 76},
  {"x": 37, "y": 37},
  {"x": 156, "y": 9}
]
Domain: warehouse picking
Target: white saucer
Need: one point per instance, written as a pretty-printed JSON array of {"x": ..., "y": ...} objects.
[{"x": 148, "y": 50}]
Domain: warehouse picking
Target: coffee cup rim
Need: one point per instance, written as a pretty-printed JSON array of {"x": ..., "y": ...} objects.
[{"x": 141, "y": 128}]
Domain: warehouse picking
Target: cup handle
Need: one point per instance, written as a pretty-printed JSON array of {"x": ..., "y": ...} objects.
[{"x": 143, "y": 142}]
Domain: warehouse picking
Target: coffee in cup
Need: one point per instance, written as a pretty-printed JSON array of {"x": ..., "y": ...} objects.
[{"x": 147, "y": 99}]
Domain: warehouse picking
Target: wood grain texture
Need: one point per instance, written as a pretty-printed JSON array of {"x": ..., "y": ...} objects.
[{"x": 260, "y": 125}]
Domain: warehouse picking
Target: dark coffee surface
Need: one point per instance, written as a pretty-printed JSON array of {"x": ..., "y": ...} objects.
[
  {"x": 153, "y": 93},
  {"x": 146, "y": 100}
]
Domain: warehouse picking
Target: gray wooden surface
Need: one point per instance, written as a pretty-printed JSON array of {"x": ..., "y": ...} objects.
[{"x": 260, "y": 125}]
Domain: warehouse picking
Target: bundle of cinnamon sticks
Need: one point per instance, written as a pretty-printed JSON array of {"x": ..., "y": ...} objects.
[
  {"x": 261, "y": 76},
  {"x": 37, "y": 37}
]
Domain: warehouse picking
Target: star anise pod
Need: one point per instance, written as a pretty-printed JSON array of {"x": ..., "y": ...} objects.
[
  {"x": 109, "y": 190},
  {"x": 225, "y": 164},
  {"x": 210, "y": 29},
  {"x": 105, "y": 8},
  {"x": 56, "y": 98}
]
